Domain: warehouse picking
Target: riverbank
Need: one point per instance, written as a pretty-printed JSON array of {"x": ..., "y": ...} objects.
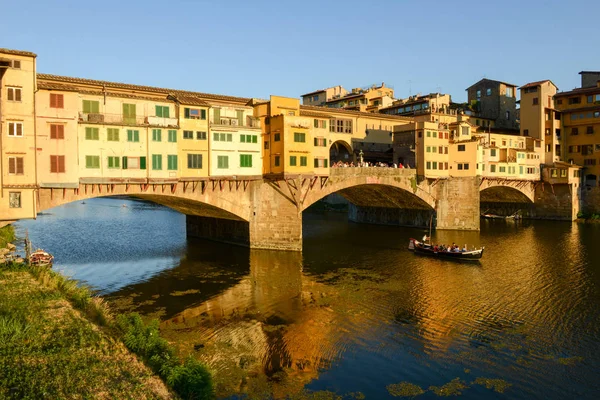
[
  {"x": 56, "y": 341},
  {"x": 7, "y": 235}
]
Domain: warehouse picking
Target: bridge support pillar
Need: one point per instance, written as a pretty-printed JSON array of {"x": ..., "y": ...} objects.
[
  {"x": 275, "y": 221},
  {"x": 457, "y": 205},
  {"x": 557, "y": 202}
]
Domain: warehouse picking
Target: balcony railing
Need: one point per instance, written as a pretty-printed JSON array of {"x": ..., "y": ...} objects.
[
  {"x": 104, "y": 118},
  {"x": 251, "y": 122}
]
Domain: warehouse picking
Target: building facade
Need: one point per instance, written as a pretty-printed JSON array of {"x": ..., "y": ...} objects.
[{"x": 494, "y": 100}]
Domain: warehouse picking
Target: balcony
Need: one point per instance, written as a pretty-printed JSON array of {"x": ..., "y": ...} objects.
[{"x": 119, "y": 119}]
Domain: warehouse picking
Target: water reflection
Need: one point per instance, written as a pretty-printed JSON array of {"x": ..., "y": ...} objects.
[{"x": 355, "y": 312}]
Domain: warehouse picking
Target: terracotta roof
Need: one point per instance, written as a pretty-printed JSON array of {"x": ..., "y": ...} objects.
[
  {"x": 316, "y": 91},
  {"x": 191, "y": 100},
  {"x": 309, "y": 113},
  {"x": 589, "y": 72},
  {"x": 117, "y": 85},
  {"x": 122, "y": 95},
  {"x": 326, "y": 110},
  {"x": 56, "y": 86},
  {"x": 18, "y": 52},
  {"x": 489, "y": 80},
  {"x": 578, "y": 91},
  {"x": 538, "y": 83}
]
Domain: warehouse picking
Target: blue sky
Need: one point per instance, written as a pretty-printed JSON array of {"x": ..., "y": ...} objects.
[{"x": 257, "y": 48}]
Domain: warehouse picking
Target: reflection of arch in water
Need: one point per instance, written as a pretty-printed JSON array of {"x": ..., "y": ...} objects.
[{"x": 340, "y": 150}]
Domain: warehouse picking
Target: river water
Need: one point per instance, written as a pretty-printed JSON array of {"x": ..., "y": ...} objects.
[{"x": 355, "y": 313}]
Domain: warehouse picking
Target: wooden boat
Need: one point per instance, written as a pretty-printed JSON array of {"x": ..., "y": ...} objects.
[
  {"x": 428, "y": 249},
  {"x": 514, "y": 216},
  {"x": 41, "y": 258}
]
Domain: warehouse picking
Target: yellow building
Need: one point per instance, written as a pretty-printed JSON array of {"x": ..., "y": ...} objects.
[
  {"x": 17, "y": 134},
  {"x": 192, "y": 140},
  {"x": 580, "y": 116},
  {"x": 368, "y": 99}
]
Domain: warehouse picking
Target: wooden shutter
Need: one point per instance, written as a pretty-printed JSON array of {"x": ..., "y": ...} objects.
[
  {"x": 12, "y": 165},
  {"x": 61, "y": 163},
  {"x": 18, "y": 94},
  {"x": 240, "y": 117},
  {"x": 158, "y": 111},
  {"x": 87, "y": 106},
  {"x": 124, "y": 162},
  {"x": 10, "y": 93},
  {"x": 52, "y": 100},
  {"x": 19, "y": 129},
  {"x": 217, "y": 116},
  {"x": 61, "y": 101},
  {"x": 19, "y": 165},
  {"x": 142, "y": 162},
  {"x": 53, "y": 163}
]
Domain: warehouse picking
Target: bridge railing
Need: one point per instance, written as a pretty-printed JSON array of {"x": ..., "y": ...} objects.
[{"x": 371, "y": 171}]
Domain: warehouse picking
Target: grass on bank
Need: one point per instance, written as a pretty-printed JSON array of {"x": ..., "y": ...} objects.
[
  {"x": 7, "y": 235},
  {"x": 48, "y": 349}
]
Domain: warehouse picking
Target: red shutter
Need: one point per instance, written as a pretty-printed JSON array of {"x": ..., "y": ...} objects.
[
  {"x": 60, "y": 132},
  {"x": 20, "y": 165},
  {"x": 53, "y": 129},
  {"x": 12, "y": 165},
  {"x": 61, "y": 101},
  {"x": 52, "y": 100},
  {"x": 61, "y": 163},
  {"x": 53, "y": 163}
]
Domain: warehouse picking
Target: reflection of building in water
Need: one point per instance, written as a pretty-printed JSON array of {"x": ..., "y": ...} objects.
[{"x": 269, "y": 323}]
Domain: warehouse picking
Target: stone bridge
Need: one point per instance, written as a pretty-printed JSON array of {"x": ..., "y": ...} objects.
[{"x": 267, "y": 213}]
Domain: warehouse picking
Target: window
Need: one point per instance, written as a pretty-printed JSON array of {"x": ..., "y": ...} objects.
[
  {"x": 172, "y": 135},
  {"x": 488, "y": 92},
  {"x": 461, "y": 147},
  {"x": 162, "y": 111},
  {"x": 435, "y": 165},
  {"x": 245, "y": 160},
  {"x": 492, "y": 152},
  {"x": 194, "y": 161},
  {"x": 222, "y": 137},
  {"x": 14, "y": 199},
  {"x": 112, "y": 134},
  {"x": 57, "y": 131},
  {"x": 321, "y": 162},
  {"x": 575, "y": 100},
  {"x": 428, "y": 165},
  {"x": 188, "y": 134},
  {"x": 16, "y": 64},
  {"x": 277, "y": 137},
  {"x": 15, "y": 129},
  {"x": 574, "y": 131},
  {"x": 57, "y": 100},
  {"x": 535, "y": 101},
  {"x": 133, "y": 135},
  {"x": 91, "y": 106},
  {"x": 589, "y": 130},
  {"x": 526, "y": 132},
  {"x": 266, "y": 145},
  {"x": 320, "y": 123},
  {"x": 478, "y": 94},
  {"x": 563, "y": 173},
  {"x": 248, "y": 139},
  {"x": 200, "y": 135},
  {"x": 92, "y": 161},
  {"x": 57, "y": 164},
  {"x": 172, "y": 162},
  {"x": 14, "y": 94},
  {"x": 340, "y": 126},
  {"x": 434, "y": 134},
  {"x": 193, "y": 113},
  {"x": 508, "y": 115},
  {"x": 303, "y": 161},
  {"x": 293, "y": 161},
  {"x": 15, "y": 165},
  {"x": 157, "y": 135},
  {"x": 320, "y": 142},
  {"x": 502, "y": 169},
  {"x": 223, "y": 162},
  {"x": 465, "y": 130},
  {"x": 492, "y": 168},
  {"x": 156, "y": 161},
  {"x": 114, "y": 162},
  {"x": 460, "y": 166},
  {"x": 428, "y": 134},
  {"x": 92, "y": 133},
  {"x": 509, "y": 92},
  {"x": 277, "y": 161},
  {"x": 299, "y": 137},
  {"x": 428, "y": 149},
  {"x": 134, "y": 162},
  {"x": 587, "y": 149},
  {"x": 129, "y": 113}
]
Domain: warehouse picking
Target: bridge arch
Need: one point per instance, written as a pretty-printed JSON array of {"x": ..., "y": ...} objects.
[
  {"x": 378, "y": 187},
  {"x": 340, "y": 150},
  {"x": 506, "y": 191},
  {"x": 196, "y": 198}
]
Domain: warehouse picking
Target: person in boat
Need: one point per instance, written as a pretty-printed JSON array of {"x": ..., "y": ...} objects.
[
  {"x": 435, "y": 248},
  {"x": 425, "y": 238},
  {"x": 464, "y": 248}
]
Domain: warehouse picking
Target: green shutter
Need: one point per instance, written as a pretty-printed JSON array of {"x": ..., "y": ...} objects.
[
  {"x": 142, "y": 162},
  {"x": 254, "y": 139},
  {"x": 217, "y": 115},
  {"x": 326, "y": 163},
  {"x": 158, "y": 111},
  {"x": 129, "y": 113},
  {"x": 316, "y": 142},
  {"x": 124, "y": 162},
  {"x": 165, "y": 112},
  {"x": 240, "y": 117},
  {"x": 86, "y": 106},
  {"x": 202, "y": 114},
  {"x": 316, "y": 123},
  {"x": 186, "y": 113},
  {"x": 325, "y": 124},
  {"x": 242, "y": 138}
]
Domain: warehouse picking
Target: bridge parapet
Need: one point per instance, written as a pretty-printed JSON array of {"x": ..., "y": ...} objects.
[{"x": 371, "y": 171}]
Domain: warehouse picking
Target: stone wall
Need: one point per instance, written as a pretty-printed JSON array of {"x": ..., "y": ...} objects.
[
  {"x": 557, "y": 202},
  {"x": 590, "y": 200},
  {"x": 457, "y": 205},
  {"x": 219, "y": 229}
]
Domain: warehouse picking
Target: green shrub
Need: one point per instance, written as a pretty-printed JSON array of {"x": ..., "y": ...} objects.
[
  {"x": 7, "y": 235},
  {"x": 191, "y": 380}
]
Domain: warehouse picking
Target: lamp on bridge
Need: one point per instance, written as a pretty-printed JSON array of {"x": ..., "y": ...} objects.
[{"x": 360, "y": 155}]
